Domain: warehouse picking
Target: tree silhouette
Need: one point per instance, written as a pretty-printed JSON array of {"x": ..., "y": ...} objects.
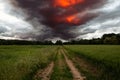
[{"x": 112, "y": 38}]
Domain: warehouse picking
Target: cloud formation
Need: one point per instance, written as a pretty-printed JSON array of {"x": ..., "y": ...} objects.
[
  {"x": 58, "y": 19},
  {"x": 62, "y": 16},
  {"x": 107, "y": 22}
]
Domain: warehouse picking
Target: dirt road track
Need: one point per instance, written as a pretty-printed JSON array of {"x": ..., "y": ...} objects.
[
  {"x": 76, "y": 74},
  {"x": 45, "y": 73}
]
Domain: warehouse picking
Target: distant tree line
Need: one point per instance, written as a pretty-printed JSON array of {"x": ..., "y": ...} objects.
[
  {"x": 24, "y": 42},
  {"x": 113, "y": 39}
]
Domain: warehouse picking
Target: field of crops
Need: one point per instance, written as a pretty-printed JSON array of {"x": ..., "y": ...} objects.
[
  {"x": 105, "y": 60},
  {"x": 22, "y": 62},
  {"x": 70, "y": 62}
]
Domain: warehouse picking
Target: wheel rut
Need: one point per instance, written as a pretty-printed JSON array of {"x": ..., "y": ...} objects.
[
  {"x": 76, "y": 74},
  {"x": 61, "y": 69},
  {"x": 45, "y": 73}
]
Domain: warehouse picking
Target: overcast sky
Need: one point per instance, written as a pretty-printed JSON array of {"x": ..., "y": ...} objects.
[{"x": 17, "y": 21}]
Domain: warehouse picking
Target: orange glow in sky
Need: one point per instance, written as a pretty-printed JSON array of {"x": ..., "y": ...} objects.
[
  {"x": 67, "y": 3},
  {"x": 73, "y": 19}
]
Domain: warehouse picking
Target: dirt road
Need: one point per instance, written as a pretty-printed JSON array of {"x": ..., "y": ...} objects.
[
  {"x": 45, "y": 73},
  {"x": 76, "y": 74},
  {"x": 60, "y": 65}
]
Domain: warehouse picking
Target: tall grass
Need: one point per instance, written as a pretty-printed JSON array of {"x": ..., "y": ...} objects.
[
  {"x": 105, "y": 57},
  {"x": 21, "y": 62},
  {"x": 61, "y": 70}
]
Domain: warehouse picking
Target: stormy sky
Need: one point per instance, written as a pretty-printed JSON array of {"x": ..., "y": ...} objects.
[{"x": 58, "y": 19}]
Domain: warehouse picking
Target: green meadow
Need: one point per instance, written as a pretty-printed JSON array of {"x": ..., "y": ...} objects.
[
  {"x": 95, "y": 62},
  {"x": 22, "y": 62},
  {"x": 104, "y": 58}
]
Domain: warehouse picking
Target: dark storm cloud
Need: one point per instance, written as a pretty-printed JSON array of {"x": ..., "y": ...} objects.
[
  {"x": 54, "y": 18},
  {"x": 107, "y": 22}
]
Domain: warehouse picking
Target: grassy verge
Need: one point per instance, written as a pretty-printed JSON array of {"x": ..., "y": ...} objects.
[
  {"x": 86, "y": 68},
  {"x": 104, "y": 57},
  {"x": 61, "y": 70},
  {"x": 21, "y": 62}
]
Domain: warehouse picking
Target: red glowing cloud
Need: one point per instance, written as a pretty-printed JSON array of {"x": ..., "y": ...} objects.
[
  {"x": 67, "y": 3},
  {"x": 60, "y": 15},
  {"x": 73, "y": 19},
  {"x": 54, "y": 13}
]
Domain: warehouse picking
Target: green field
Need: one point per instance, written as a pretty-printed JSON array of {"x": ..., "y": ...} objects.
[
  {"x": 95, "y": 62},
  {"x": 22, "y": 62},
  {"x": 104, "y": 58}
]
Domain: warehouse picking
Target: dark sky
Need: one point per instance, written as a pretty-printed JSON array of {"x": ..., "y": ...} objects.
[{"x": 58, "y": 19}]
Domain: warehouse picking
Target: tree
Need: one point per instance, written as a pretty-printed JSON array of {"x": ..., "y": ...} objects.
[
  {"x": 110, "y": 39},
  {"x": 59, "y": 42}
]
